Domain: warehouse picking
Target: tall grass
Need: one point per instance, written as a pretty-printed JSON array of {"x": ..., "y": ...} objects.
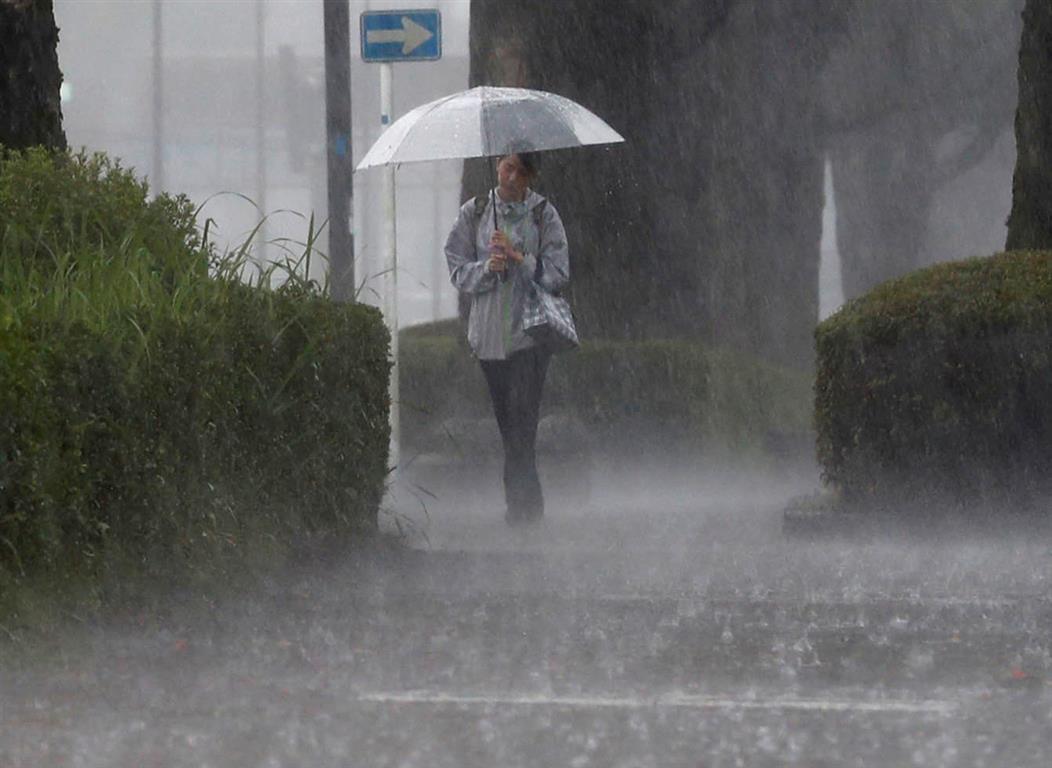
[
  {"x": 164, "y": 403},
  {"x": 97, "y": 249}
]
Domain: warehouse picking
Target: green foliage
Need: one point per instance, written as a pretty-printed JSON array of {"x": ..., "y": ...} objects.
[
  {"x": 940, "y": 384},
  {"x": 81, "y": 244},
  {"x": 156, "y": 412},
  {"x": 633, "y": 396}
]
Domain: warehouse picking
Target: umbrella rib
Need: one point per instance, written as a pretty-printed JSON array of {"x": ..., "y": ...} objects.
[{"x": 438, "y": 103}]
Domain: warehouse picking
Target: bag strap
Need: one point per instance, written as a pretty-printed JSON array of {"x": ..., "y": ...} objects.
[
  {"x": 538, "y": 219},
  {"x": 538, "y": 214}
]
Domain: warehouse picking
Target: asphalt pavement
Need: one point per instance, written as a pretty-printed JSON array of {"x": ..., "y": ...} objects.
[{"x": 651, "y": 620}]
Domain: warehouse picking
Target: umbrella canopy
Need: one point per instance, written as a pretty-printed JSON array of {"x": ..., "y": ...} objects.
[{"x": 485, "y": 122}]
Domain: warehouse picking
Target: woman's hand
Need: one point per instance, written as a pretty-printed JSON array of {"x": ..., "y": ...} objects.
[
  {"x": 496, "y": 263},
  {"x": 500, "y": 244}
]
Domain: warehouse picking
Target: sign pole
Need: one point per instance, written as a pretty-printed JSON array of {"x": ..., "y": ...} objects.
[
  {"x": 437, "y": 265},
  {"x": 389, "y": 36},
  {"x": 391, "y": 260}
]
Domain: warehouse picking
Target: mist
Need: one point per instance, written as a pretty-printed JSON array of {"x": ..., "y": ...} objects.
[
  {"x": 778, "y": 162},
  {"x": 666, "y": 621}
]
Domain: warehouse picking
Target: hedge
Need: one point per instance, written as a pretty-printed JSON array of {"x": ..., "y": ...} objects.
[
  {"x": 634, "y": 397},
  {"x": 155, "y": 409},
  {"x": 938, "y": 386}
]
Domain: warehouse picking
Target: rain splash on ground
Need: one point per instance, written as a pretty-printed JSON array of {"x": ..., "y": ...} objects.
[{"x": 656, "y": 621}]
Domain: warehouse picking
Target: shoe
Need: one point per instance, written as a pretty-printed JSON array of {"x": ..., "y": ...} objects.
[{"x": 520, "y": 516}]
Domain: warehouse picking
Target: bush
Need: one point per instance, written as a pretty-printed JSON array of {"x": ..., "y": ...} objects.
[
  {"x": 154, "y": 409},
  {"x": 939, "y": 385},
  {"x": 633, "y": 396}
]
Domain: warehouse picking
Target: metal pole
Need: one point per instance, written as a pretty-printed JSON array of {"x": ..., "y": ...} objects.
[
  {"x": 391, "y": 260},
  {"x": 261, "y": 135},
  {"x": 339, "y": 156},
  {"x": 157, "y": 168},
  {"x": 437, "y": 262}
]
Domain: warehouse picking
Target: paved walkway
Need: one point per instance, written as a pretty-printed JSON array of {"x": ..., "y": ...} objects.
[{"x": 663, "y": 623}]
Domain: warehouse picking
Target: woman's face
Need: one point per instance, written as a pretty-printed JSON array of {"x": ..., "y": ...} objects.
[{"x": 512, "y": 178}]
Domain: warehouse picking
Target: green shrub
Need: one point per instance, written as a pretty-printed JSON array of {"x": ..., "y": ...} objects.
[
  {"x": 632, "y": 396},
  {"x": 939, "y": 385},
  {"x": 154, "y": 409},
  {"x": 81, "y": 241}
]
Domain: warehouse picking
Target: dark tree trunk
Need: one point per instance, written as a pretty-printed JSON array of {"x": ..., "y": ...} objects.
[
  {"x": 706, "y": 222},
  {"x": 893, "y": 92},
  {"x": 882, "y": 169},
  {"x": 883, "y": 179},
  {"x": 30, "y": 108},
  {"x": 1030, "y": 224},
  {"x": 762, "y": 177}
]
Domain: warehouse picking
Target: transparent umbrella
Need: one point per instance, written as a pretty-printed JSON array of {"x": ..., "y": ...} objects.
[{"x": 486, "y": 122}]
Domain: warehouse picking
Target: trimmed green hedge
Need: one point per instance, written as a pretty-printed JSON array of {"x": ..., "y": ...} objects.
[
  {"x": 939, "y": 385},
  {"x": 633, "y": 396},
  {"x": 154, "y": 409}
]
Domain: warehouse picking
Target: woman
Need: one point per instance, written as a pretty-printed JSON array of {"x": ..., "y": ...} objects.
[{"x": 498, "y": 261}]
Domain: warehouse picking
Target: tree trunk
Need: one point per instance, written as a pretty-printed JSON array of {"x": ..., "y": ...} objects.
[
  {"x": 706, "y": 223},
  {"x": 1030, "y": 223},
  {"x": 30, "y": 107},
  {"x": 884, "y": 191},
  {"x": 894, "y": 92}
]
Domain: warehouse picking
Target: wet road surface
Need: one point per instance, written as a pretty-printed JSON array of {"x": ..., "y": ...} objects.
[{"x": 646, "y": 628}]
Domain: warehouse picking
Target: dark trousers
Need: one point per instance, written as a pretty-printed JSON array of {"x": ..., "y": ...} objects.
[{"x": 515, "y": 388}]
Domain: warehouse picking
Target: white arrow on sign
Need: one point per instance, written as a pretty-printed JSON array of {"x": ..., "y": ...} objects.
[{"x": 411, "y": 35}]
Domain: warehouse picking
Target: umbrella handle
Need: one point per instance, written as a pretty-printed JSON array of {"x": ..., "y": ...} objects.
[{"x": 492, "y": 193}]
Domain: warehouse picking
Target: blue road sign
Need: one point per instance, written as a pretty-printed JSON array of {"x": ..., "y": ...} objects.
[{"x": 401, "y": 35}]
